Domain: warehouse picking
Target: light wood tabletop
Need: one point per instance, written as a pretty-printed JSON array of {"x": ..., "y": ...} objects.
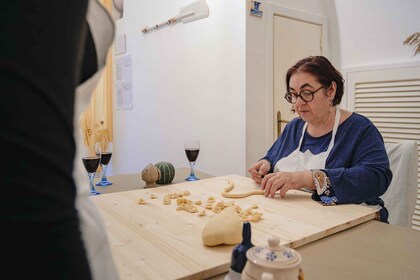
[{"x": 370, "y": 250}]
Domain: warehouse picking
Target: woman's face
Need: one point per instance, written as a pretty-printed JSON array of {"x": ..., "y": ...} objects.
[{"x": 317, "y": 110}]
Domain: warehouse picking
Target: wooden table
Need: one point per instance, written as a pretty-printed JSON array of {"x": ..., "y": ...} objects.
[
  {"x": 154, "y": 241},
  {"x": 129, "y": 182},
  {"x": 372, "y": 250}
]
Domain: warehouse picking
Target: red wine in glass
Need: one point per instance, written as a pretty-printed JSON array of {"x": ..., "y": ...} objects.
[
  {"x": 192, "y": 149},
  {"x": 91, "y": 163},
  {"x": 105, "y": 158},
  {"x": 106, "y": 154},
  {"x": 91, "y": 159},
  {"x": 192, "y": 154}
]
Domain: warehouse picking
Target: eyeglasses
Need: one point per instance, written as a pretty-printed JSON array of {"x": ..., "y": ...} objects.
[{"x": 306, "y": 95}]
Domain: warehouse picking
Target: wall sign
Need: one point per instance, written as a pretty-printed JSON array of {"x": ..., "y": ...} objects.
[
  {"x": 123, "y": 85},
  {"x": 256, "y": 9}
]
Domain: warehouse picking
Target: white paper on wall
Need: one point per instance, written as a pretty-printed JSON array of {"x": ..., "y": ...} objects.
[{"x": 123, "y": 83}]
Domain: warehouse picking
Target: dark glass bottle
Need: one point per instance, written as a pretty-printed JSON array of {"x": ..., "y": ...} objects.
[{"x": 239, "y": 259}]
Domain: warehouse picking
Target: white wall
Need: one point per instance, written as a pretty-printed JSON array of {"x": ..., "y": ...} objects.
[
  {"x": 188, "y": 80},
  {"x": 208, "y": 78},
  {"x": 372, "y": 31}
]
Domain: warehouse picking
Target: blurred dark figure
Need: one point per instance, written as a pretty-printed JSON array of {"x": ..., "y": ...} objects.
[{"x": 41, "y": 50}]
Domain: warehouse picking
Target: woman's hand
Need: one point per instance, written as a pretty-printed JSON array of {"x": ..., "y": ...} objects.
[
  {"x": 259, "y": 170},
  {"x": 284, "y": 181}
]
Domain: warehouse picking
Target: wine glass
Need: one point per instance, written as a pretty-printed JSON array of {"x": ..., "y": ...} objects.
[
  {"x": 192, "y": 149},
  {"x": 106, "y": 153},
  {"x": 91, "y": 159}
]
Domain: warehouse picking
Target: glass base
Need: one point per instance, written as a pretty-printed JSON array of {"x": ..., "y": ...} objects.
[
  {"x": 104, "y": 183},
  {"x": 92, "y": 192},
  {"x": 191, "y": 178}
]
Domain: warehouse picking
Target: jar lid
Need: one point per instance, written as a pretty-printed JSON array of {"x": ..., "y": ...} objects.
[{"x": 274, "y": 255}]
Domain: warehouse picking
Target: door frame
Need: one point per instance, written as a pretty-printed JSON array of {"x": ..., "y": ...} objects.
[{"x": 271, "y": 11}]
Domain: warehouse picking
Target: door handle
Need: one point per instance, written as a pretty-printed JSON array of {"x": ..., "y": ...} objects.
[{"x": 279, "y": 122}]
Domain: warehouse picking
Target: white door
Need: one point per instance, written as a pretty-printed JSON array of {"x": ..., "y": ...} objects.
[{"x": 293, "y": 39}]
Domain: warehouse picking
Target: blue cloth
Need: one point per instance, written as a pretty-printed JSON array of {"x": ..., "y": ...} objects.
[{"x": 358, "y": 165}]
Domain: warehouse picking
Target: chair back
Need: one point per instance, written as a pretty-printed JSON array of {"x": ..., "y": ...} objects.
[{"x": 400, "y": 198}]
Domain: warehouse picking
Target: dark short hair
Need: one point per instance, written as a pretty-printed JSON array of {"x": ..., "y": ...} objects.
[{"x": 321, "y": 68}]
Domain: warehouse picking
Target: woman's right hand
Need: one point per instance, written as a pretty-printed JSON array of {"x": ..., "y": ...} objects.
[{"x": 259, "y": 170}]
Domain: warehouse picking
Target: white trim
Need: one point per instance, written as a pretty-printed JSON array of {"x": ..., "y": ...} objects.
[
  {"x": 371, "y": 67},
  {"x": 357, "y": 74},
  {"x": 349, "y": 88},
  {"x": 271, "y": 10}
]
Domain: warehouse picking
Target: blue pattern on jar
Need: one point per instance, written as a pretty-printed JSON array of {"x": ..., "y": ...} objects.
[
  {"x": 271, "y": 256},
  {"x": 288, "y": 254}
]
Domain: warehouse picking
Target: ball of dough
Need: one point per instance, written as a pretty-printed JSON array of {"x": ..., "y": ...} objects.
[{"x": 223, "y": 228}]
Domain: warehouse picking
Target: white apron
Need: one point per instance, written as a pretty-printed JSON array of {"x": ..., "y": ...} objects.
[{"x": 298, "y": 161}]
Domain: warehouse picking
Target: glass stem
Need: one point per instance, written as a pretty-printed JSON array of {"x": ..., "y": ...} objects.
[
  {"x": 104, "y": 172},
  {"x": 92, "y": 185},
  {"x": 192, "y": 164}
]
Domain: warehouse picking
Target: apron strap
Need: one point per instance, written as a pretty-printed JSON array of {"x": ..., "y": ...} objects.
[
  {"x": 334, "y": 132},
  {"x": 301, "y": 137}
]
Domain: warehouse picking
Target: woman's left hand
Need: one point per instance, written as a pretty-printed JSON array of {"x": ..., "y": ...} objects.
[{"x": 284, "y": 181}]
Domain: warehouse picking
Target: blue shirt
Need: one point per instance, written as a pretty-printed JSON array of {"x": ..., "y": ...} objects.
[{"x": 358, "y": 165}]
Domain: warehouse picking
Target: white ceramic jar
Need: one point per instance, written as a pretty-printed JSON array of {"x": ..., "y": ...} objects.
[{"x": 272, "y": 262}]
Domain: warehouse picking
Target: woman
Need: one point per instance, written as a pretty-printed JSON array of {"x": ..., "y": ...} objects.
[{"x": 337, "y": 154}]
